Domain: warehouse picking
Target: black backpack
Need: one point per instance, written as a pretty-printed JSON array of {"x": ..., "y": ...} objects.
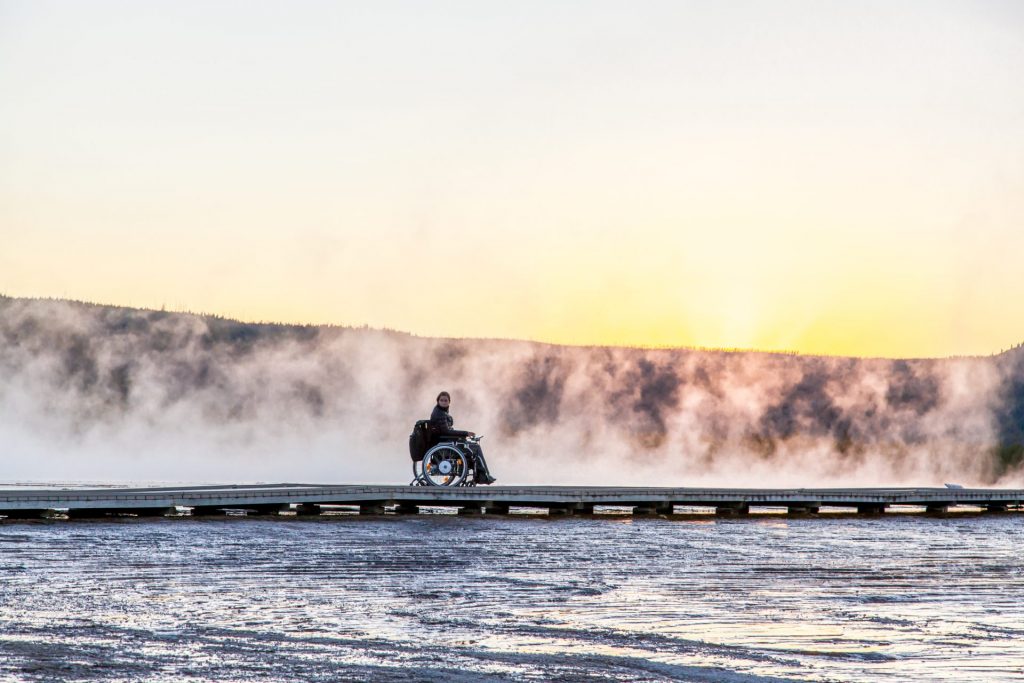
[{"x": 419, "y": 440}]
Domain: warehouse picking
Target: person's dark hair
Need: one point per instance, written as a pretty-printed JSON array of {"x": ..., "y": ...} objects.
[{"x": 445, "y": 394}]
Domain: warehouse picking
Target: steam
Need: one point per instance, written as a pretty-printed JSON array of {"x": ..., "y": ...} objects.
[{"x": 101, "y": 393}]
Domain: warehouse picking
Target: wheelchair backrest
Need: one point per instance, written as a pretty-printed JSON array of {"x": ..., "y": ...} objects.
[{"x": 419, "y": 440}]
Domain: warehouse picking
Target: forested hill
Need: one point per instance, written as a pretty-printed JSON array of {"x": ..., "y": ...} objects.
[{"x": 155, "y": 393}]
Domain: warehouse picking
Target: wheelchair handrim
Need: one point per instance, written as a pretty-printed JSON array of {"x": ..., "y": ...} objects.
[{"x": 449, "y": 455}]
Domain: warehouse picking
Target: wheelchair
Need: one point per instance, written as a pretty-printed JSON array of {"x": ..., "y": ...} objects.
[{"x": 449, "y": 463}]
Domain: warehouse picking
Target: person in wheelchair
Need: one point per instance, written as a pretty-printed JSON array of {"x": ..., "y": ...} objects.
[{"x": 441, "y": 428}]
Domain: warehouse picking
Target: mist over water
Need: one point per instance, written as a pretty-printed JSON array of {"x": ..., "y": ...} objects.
[{"x": 104, "y": 393}]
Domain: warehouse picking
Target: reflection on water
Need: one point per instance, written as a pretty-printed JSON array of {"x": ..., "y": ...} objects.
[{"x": 523, "y": 598}]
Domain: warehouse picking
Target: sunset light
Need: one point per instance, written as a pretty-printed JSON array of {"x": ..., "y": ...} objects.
[
  {"x": 512, "y": 340},
  {"x": 692, "y": 175}
]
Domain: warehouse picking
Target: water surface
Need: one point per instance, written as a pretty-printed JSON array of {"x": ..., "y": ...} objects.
[{"x": 441, "y": 597}]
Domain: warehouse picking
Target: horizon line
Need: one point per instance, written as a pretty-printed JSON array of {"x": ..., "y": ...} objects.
[{"x": 366, "y": 326}]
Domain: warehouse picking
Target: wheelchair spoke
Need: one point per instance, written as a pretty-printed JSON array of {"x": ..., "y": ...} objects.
[{"x": 445, "y": 465}]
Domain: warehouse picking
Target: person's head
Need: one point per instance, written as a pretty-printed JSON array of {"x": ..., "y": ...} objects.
[{"x": 444, "y": 399}]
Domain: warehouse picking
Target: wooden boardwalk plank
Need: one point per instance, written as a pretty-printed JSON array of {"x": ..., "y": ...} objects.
[{"x": 248, "y": 495}]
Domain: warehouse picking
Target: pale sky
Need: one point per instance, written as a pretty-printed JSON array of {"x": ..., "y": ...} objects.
[{"x": 826, "y": 177}]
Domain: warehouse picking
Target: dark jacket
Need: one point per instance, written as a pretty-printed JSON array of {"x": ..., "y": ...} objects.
[{"x": 441, "y": 425}]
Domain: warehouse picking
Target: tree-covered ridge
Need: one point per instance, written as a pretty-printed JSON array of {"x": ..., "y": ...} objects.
[{"x": 80, "y": 364}]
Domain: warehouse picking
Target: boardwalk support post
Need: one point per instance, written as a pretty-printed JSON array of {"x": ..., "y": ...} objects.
[
  {"x": 732, "y": 510},
  {"x": 271, "y": 509},
  {"x": 26, "y": 514},
  {"x": 495, "y": 509},
  {"x": 308, "y": 510},
  {"x": 871, "y": 509},
  {"x": 208, "y": 511},
  {"x": 407, "y": 509},
  {"x": 93, "y": 513},
  {"x": 653, "y": 509},
  {"x": 471, "y": 510},
  {"x": 371, "y": 509}
]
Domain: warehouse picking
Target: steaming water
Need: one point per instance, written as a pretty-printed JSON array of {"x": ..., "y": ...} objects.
[
  {"x": 440, "y": 597},
  {"x": 100, "y": 392}
]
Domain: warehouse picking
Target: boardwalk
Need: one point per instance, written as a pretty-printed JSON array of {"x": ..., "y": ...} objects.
[{"x": 312, "y": 499}]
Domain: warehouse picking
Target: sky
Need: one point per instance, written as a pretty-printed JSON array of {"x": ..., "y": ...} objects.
[{"x": 822, "y": 177}]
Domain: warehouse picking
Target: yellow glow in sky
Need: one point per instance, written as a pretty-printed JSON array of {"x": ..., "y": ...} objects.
[{"x": 822, "y": 178}]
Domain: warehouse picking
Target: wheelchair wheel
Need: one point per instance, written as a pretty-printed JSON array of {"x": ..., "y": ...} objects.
[{"x": 445, "y": 465}]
